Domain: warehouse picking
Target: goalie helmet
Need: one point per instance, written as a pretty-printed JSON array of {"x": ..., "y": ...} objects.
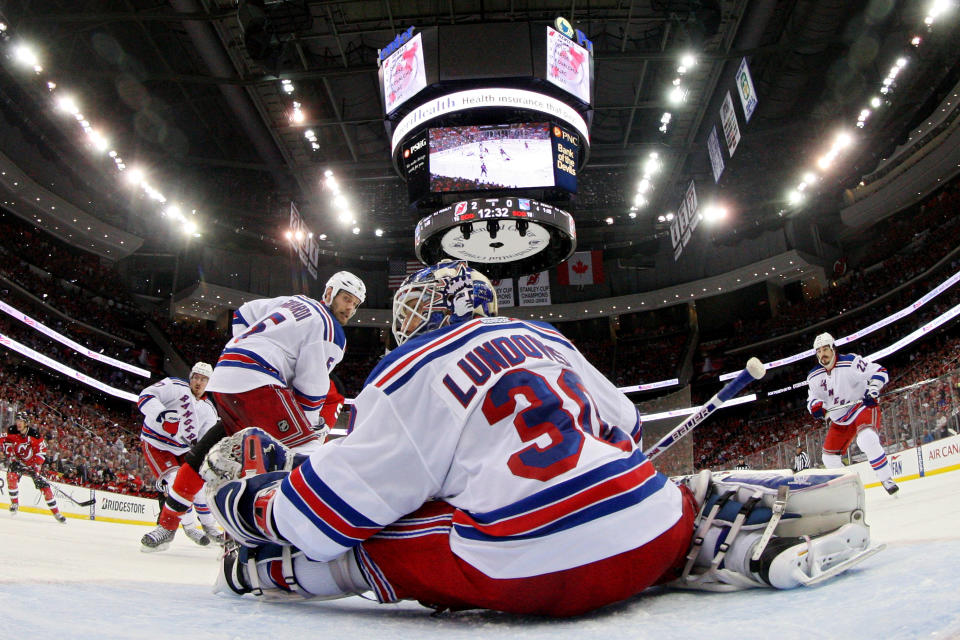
[
  {"x": 443, "y": 294},
  {"x": 344, "y": 281}
]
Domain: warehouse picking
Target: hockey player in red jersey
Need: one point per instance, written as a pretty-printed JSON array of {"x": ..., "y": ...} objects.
[
  {"x": 273, "y": 374},
  {"x": 176, "y": 414},
  {"x": 25, "y": 452},
  {"x": 489, "y": 465}
]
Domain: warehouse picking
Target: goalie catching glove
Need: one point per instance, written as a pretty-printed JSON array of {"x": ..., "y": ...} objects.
[{"x": 242, "y": 474}]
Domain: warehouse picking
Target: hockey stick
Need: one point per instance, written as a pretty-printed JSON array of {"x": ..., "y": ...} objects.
[
  {"x": 33, "y": 475},
  {"x": 85, "y": 503},
  {"x": 753, "y": 371}
]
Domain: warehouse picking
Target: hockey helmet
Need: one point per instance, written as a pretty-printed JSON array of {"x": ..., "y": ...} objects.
[
  {"x": 344, "y": 281},
  {"x": 444, "y": 294},
  {"x": 202, "y": 368},
  {"x": 22, "y": 416},
  {"x": 823, "y": 340}
]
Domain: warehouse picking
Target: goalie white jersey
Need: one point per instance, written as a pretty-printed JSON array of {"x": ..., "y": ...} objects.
[
  {"x": 290, "y": 341},
  {"x": 841, "y": 389},
  {"x": 178, "y": 431},
  {"x": 505, "y": 420}
]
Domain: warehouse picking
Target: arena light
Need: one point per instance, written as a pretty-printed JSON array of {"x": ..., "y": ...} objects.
[
  {"x": 916, "y": 40},
  {"x": 190, "y": 227},
  {"x": 688, "y": 60},
  {"x": 640, "y": 200},
  {"x": 68, "y": 104},
  {"x": 356, "y": 231},
  {"x": 875, "y": 102},
  {"x": 328, "y": 173},
  {"x": 794, "y": 197},
  {"x": 135, "y": 176},
  {"x": 344, "y": 217},
  {"x": 643, "y": 186},
  {"x": 809, "y": 177},
  {"x": 714, "y": 212},
  {"x": 669, "y": 217},
  {"x": 340, "y": 202},
  {"x": 378, "y": 233},
  {"x": 26, "y": 56},
  {"x": 287, "y": 85}
]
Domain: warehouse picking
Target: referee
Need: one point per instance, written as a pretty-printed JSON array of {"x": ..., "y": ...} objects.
[{"x": 801, "y": 461}]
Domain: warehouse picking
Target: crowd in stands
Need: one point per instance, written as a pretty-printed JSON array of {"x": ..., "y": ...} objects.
[
  {"x": 92, "y": 441},
  {"x": 909, "y": 243}
]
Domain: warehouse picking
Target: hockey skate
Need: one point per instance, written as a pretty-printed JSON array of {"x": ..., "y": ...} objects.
[
  {"x": 215, "y": 535},
  {"x": 14, "y": 509},
  {"x": 157, "y": 540},
  {"x": 891, "y": 486},
  {"x": 62, "y": 519},
  {"x": 758, "y": 529},
  {"x": 196, "y": 535}
]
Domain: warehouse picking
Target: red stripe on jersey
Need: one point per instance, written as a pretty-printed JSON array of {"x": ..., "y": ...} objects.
[
  {"x": 325, "y": 513},
  {"x": 535, "y": 519},
  {"x": 416, "y": 355}
]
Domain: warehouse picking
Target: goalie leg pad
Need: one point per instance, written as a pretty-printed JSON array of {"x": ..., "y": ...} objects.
[
  {"x": 283, "y": 573},
  {"x": 818, "y": 502},
  {"x": 734, "y": 546}
]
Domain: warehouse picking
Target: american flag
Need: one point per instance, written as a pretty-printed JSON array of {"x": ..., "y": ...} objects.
[{"x": 399, "y": 270}]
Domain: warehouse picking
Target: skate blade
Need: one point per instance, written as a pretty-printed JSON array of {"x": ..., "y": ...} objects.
[{"x": 843, "y": 566}]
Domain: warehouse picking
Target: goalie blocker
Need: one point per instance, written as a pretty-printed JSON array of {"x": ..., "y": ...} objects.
[{"x": 753, "y": 529}]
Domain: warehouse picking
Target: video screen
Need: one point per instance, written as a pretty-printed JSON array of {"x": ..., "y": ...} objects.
[{"x": 512, "y": 156}]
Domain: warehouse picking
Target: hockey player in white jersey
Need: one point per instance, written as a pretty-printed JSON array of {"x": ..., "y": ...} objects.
[
  {"x": 177, "y": 413},
  {"x": 844, "y": 390},
  {"x": 273, "y": 374},
  {"x": 489, "y": 465}
]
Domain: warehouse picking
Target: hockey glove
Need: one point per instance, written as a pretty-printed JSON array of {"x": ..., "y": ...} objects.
[
  {"x": 817, "y": 410},
  {"x": 244, "y": 508},
  {"x": 871, "y": 397},
  {"x": 247, "y": 453},
  {"x": 169, "y": 421}
]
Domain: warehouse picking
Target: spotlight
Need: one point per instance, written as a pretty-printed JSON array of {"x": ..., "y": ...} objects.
[
  {"x": 378, "y": 233},
  {"x": 466, "y": 229},
  {"x": 688, "y": 60},
  {"x": 522, "y": 226},
  {"x": 493, "y": 227}
]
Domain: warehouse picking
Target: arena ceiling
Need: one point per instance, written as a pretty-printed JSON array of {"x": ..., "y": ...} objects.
[{"x": 187, "y": 101}]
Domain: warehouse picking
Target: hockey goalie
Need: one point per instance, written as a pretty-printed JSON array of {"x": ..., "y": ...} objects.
[{"x": 489, "y": 465}]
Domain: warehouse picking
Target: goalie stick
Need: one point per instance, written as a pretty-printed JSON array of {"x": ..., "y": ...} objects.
[{"x": 753, "y": 371}]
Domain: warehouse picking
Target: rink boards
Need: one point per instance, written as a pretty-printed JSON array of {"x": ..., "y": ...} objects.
[
  {"x": 107, "y": 506},
  {"x": 934, "y": 458}
]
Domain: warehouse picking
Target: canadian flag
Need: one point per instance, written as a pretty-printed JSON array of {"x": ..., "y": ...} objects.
[{"x": 584, "y": 267}]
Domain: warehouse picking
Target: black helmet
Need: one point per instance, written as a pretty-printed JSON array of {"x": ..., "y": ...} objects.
[{"x": 23, "y": 415}]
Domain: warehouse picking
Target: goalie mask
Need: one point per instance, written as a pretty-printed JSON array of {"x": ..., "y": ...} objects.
[{"x": 444, "y": 294}]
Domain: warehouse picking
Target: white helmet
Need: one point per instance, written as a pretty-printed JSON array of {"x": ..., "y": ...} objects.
[
  {"x": 346, "y": 281},
  {"x": 824, "y": 340},
  {"x": 202, "y": 368}
]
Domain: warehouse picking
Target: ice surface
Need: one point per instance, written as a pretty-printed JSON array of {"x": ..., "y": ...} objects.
[{"x": 89, "y": 580}]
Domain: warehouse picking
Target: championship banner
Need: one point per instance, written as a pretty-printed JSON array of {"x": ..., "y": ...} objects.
[
  {"x": 504, "y": 289},
  {"x": 748, "y": 95},
  {"x": 303, "y": 240},
  {"x": 731, "y": 130},
  {"x": 535, "y": 289},
  {"x": 716, "y": 156},
  {"x": 685, "y": 222}
]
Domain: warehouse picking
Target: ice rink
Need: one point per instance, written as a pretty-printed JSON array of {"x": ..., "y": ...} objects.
[
  {"x": 88, "y": 579},
  {"x": 518, "y": 166}
]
